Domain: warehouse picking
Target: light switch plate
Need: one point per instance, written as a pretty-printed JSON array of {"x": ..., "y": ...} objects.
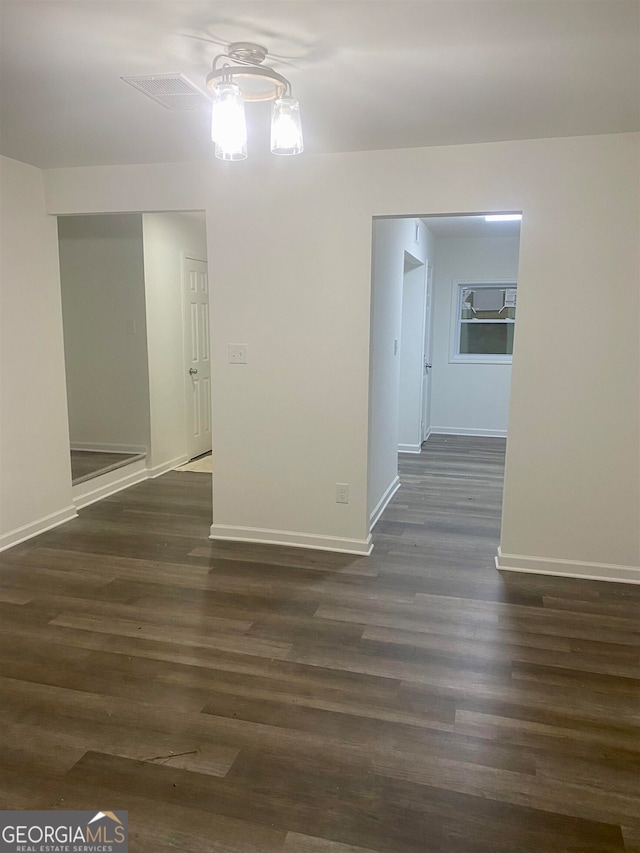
[{"x": 237, "y": 353}]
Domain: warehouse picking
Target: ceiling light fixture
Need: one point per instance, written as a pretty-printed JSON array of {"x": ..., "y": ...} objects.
[
  {"x": 246, "y": 80},
  {"x": 503, "y": 217}
]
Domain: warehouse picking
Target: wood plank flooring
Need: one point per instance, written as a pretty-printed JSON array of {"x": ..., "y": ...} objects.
[{"x": 249, "y": 699}]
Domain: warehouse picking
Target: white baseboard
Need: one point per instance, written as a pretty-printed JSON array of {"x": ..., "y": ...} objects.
[
  {"x": 98, "y": 488},
  {"x": 28, "y": 531},
  {"x": 105, "y": 447},
  {"x": 159, "y": 470},
  {"x": 382, "y": 504},
  {"x": 479, "y": 433},
  {"x": 409, "y": 448},
  {"x": 91, "y": 491},
  {"x": 567, "y": 568},
  {"x": 265, "y": 536}
]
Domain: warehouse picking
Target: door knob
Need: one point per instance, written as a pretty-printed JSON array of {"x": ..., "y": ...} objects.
[
  {"x": 427, "y": 365},
  {"x": 192, "y": 371}
]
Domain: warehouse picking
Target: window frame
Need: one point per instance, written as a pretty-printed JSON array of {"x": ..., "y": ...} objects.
[{"x": 458, "y": 286}]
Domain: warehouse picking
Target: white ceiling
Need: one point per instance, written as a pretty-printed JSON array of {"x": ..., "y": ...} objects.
[
  {"x": 470, "y": 226},
  {"x": 369, "y": 73}
]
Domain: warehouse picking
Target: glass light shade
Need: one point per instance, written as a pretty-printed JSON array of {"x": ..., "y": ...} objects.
[
  {"x": 286, "y": 127},
  {"x": 228, "y": 124}
]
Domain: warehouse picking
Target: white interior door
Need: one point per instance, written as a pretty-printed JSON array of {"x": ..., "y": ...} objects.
[
  {"x": 428, "y": 349},
  {"x": 411, "y": 356},
  {"x": 197, "y": 356}
]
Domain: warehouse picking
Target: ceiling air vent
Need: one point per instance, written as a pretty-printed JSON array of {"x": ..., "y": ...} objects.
[{"x": 173, "y": 91}]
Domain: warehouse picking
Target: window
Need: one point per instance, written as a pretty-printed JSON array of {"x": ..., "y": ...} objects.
[{"x": 484, "y": 316}]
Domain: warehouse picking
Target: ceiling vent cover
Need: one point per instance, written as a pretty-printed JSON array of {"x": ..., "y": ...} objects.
[{"x": 173, "y": 91}]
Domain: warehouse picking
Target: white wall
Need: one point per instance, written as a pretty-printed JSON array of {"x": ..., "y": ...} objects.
[
  {"x": 392, "y": 238},
  {"x": 105, "y": 340},
  {"x": 292, "y": 279},
  {"x": 468, "y": 398},
  {"x": 166, "y": 238},
  {"x": 35, "y": 472}
]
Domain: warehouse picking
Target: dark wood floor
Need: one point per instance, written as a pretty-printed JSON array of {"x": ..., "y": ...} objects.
[
  {"x": 407, "y": 702},
  {"x": 87, "y": 464}
]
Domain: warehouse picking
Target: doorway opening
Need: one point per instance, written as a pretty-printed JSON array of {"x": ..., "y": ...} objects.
[
  {"x": 136, "y": 321},
  {"x": 444, "y": 297}
]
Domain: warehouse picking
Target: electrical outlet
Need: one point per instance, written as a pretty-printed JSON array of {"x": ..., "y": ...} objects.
[
  {"x": 342, "y": 493},
  {"x": 237, "y": 353}
]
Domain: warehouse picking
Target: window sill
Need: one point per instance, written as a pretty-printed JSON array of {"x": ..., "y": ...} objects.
[{"x": 481, "y": 359}]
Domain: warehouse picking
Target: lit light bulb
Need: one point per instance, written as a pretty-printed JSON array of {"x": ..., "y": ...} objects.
[
  {"x": 228, "y": 124},
  {"x": 286, "y": 127}
]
